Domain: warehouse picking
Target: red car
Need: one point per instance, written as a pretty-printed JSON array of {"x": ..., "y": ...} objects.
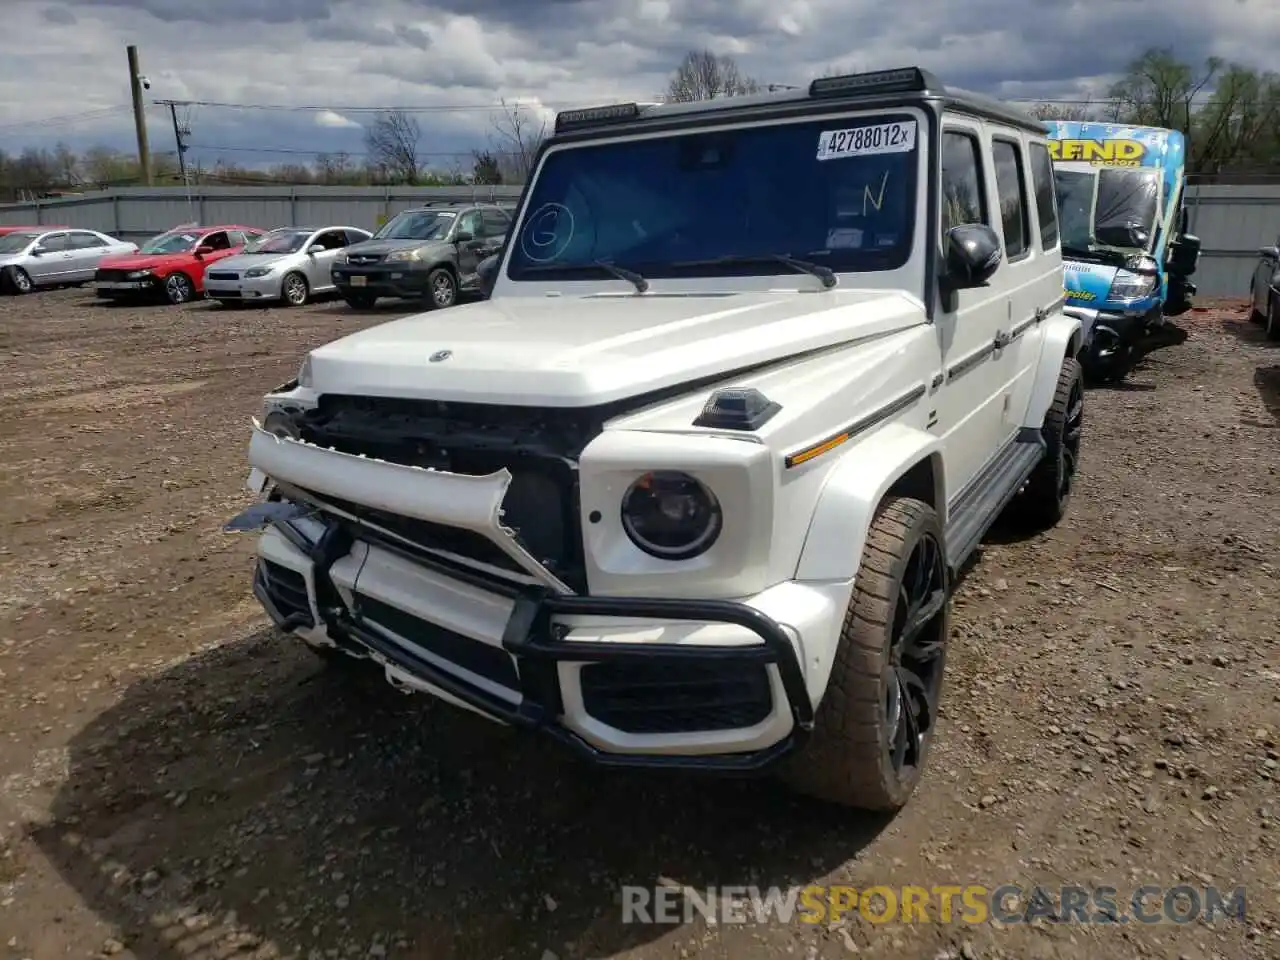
[{"x": 172, "y": 264}]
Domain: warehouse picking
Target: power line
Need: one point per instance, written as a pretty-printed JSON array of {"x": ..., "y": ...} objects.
[
  {"x": 322, "y": 107},
  {"x": 66, "y": 118},
  {"x": 296, "y": 151}
]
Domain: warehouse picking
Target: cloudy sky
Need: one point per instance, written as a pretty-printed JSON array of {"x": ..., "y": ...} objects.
[{"x": 63, "y": 73}]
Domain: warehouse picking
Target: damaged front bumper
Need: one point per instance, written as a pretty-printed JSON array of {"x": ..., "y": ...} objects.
[
  {"x": 1116, "y": 341},
  {"x": 624, "y": 681}
]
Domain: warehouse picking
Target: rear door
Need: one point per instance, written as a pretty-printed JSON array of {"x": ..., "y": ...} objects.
[{"x": 87, "y": 248}]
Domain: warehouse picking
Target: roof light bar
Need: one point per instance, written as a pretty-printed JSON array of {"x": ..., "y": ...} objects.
[
  {"x": 902, "y": 80},
  {"x": 590, "y": 116}
]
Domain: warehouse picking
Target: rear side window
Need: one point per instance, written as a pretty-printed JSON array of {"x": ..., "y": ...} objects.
[
  {"x": 1011, "y": 188},
  {"x": 1046, "y": 196},
  {"x": 963, "y": 200}
]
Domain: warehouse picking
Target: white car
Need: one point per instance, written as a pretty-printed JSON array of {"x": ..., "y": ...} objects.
[
  {"x": 291, "y": 264},
  {"x": 691, "y": 488},
  {"x": 1264, "y": 290},
  {"x": 35, "y": 258}
]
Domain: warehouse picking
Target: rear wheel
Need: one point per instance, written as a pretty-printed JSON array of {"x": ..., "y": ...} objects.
[
  {"x": 178, "y": 288},
  {"x": 876, "y": 720},
  {"x": 294, "y": 289},
  {"x": 1043, "y": 502}
]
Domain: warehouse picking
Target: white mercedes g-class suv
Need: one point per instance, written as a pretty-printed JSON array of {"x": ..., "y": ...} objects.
[{"x": 691, "y": 489}]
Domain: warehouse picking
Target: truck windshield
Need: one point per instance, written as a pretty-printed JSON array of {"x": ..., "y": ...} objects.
[
  {"x": 837, "y": 192},
  {"x": 1101, "y": 198}
]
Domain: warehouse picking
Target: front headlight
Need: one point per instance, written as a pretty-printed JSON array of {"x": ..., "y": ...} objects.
[
  {"x": 304, "y": 373},
  {"x": 256, "y": 272},
  {"x": 340, "y": 258},
  {"x": 671, "y": 515},
  {"x": 140, "y": 275},
  {"x": 1132, "y": 286},
  {"x": 402, "y": 256}
]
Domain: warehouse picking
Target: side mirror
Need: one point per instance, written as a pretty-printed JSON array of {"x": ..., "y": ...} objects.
[
  {"x": 464, "y": 236},
  {"x": 1269, "y": 253},
  {"x": 1184, "y": 255},
  {"x": 973, "y": 254},
  {"x": 487, "y": 271},
  {"x": 38, "y": 251},
  {"x": 203, "y": 250},
  {"x": 316, "y": 248}
]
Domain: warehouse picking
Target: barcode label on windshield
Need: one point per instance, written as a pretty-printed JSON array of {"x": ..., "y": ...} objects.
[{"x": 897, "y": 137}]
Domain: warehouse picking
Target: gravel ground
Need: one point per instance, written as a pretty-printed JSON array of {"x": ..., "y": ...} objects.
[{"x": 176, "y": 781}]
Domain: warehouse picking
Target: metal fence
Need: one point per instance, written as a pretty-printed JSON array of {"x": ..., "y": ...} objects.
[{"x": 1232, "y": 220}]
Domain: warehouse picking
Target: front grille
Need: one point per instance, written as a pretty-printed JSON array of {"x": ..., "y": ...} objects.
[
  {"x": 638, "y": 697},
  {"x": 228, "y": 294},
  {"x": 361, "y": 259},
  {"x": 224, "y": 276},
  {"x": 287, "y": 589},
  {"x": 492, "y": 663},
  {"x": 111, "y": 276}
]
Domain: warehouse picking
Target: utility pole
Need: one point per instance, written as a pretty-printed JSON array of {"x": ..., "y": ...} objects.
[
  {"x": 180, "y": 134},
  {"x": 139, "y": 116}
]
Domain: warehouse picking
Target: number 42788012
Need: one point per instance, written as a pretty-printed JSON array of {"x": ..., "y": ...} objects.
[{"x": 898, "y": 137}]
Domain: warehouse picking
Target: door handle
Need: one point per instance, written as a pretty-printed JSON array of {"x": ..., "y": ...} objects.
[{"x": 1002, "y": 340}]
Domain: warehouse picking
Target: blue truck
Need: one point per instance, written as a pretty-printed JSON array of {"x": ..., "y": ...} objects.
[{"x": 1127, "y": 256}]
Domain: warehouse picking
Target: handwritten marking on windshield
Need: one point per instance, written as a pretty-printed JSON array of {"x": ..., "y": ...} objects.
[{"x": 547, "y": 233}]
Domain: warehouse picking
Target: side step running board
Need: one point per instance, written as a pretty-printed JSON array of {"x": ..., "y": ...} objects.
[{"x": 978, "y": 506}]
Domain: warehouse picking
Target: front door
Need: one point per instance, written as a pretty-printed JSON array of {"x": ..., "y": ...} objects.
[
  {"x": 320, "y": 265},
  {"x": 53, "y": 264}
]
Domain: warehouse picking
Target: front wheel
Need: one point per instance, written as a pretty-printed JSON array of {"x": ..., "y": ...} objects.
[
  {"x": 1273, "y": 317},
  {"x": 877, "y": 718},
  {"x": 178, "y": 288},
  {"x": 442, "y": 289},
  {"x": 1255, "y": 315},
  {"x": 294, "y": 289},
  {"x": 19, "y": 281},
  {"x": 1043, "y": 502}
]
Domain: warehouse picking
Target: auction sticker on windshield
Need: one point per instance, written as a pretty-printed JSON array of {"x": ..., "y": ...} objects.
[{"x": 897, "y": 137}]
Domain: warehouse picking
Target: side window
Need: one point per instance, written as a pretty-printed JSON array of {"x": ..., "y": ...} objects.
[
  {"x": 963, "y": 199},
  {"x": 86, "y": 241},
  {"x": 495, "y": 223},
  {"x": 55, "y": 242},
  {"x": 354, "y": 236},
  {"x": 219, "y": 240},
  {"x": 1011, "y": 188},
  {"x": 470, "y": 222},
  {"x": 1046, "y": 195},
  {"x": 332, "y": 239}
]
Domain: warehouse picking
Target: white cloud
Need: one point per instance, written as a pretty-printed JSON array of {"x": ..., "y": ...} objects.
[{"x": 333, "y": 119}]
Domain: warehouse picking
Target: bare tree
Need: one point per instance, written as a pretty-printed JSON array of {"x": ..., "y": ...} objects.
[
  {"x": 517, "y": 137},
  {"x": 1063, "y": 111},
  {"x": 1158, "y": 89},
  {"x": 392, "y": 142},
  {"x": 486, "y": 169},
  {"x": 703, "y": 75}
]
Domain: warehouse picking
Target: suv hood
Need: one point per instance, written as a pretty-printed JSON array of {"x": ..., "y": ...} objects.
[
  {"x": 564, "y": 352},
  {"x": 383, "y": 247}
]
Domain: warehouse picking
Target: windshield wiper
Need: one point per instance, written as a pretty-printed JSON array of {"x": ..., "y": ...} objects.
[
  {"x": 825, "y": 274},
  {"x": 622, "y": 273}
]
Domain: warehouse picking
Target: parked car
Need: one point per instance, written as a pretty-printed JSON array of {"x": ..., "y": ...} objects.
[
  {"x": 692, "y": 488},
  {"x": 171, "y": 265},
  {"x": 429, "y": 253},
  {"x": 291, "y": 264},
  {"x": 42, "y": 257},
  {"x": 1264, "y": 290}
]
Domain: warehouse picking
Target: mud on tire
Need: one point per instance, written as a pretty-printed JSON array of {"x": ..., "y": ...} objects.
[{"x": 866, "y": 752}]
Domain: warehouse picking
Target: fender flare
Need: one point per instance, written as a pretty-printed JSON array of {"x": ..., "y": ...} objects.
[
  {"x": 1063, "y": 337},
  {"x": 853, "y": 491}
]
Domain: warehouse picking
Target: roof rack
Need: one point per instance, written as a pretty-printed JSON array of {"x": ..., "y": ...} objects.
[{"x": 900, "y": 80}]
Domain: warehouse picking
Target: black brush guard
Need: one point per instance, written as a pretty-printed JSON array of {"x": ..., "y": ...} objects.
[{"x": 538, "y": 646}]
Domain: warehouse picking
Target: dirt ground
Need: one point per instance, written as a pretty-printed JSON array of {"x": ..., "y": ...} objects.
[{"x": 177, "y": 781}]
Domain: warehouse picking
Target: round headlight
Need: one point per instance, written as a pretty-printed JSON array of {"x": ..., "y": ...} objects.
[
  {"x": 281, "y": 424},
  {"x": 671, "y": 515}
]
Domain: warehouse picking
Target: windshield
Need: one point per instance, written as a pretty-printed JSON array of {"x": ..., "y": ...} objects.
[
  {"x": 1106, "y": 198},
  {"x": 417, "y": 225},
  {"x": 176, "y": 242},
  {"x": 840, "y": 193},
  {"x": 14, "y": 242},
  {"x": 278, "y": 241}
]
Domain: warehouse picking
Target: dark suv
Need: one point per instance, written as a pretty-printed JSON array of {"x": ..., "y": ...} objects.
[{"x": 429, "y": 253}]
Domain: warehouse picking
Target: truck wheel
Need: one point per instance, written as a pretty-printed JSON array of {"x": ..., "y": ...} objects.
[
  {"x": 877, "y": 717},
  {"x": 442, "y": 289},
  {"x": 1043, "y": 502}
]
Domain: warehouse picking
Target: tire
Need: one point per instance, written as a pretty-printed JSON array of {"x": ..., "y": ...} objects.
[
  {"x": 442, "y": 289},
  {"x": 1043, "y": 502},
  {"x": 178, "y": 288},
  {"x": 1272, "y": 326},
  {"x": 294, "y": 291},
  {"x": 359, "y": 301},
  {"x": 18, "y": 281},
  {"x": 1255, "y": 315},
  {"x": 862, "y": 753}
]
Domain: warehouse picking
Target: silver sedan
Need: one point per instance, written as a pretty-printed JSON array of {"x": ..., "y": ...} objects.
[
  {"x": 290, "y": 264},
  {"x": 47, "y": 258}
]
